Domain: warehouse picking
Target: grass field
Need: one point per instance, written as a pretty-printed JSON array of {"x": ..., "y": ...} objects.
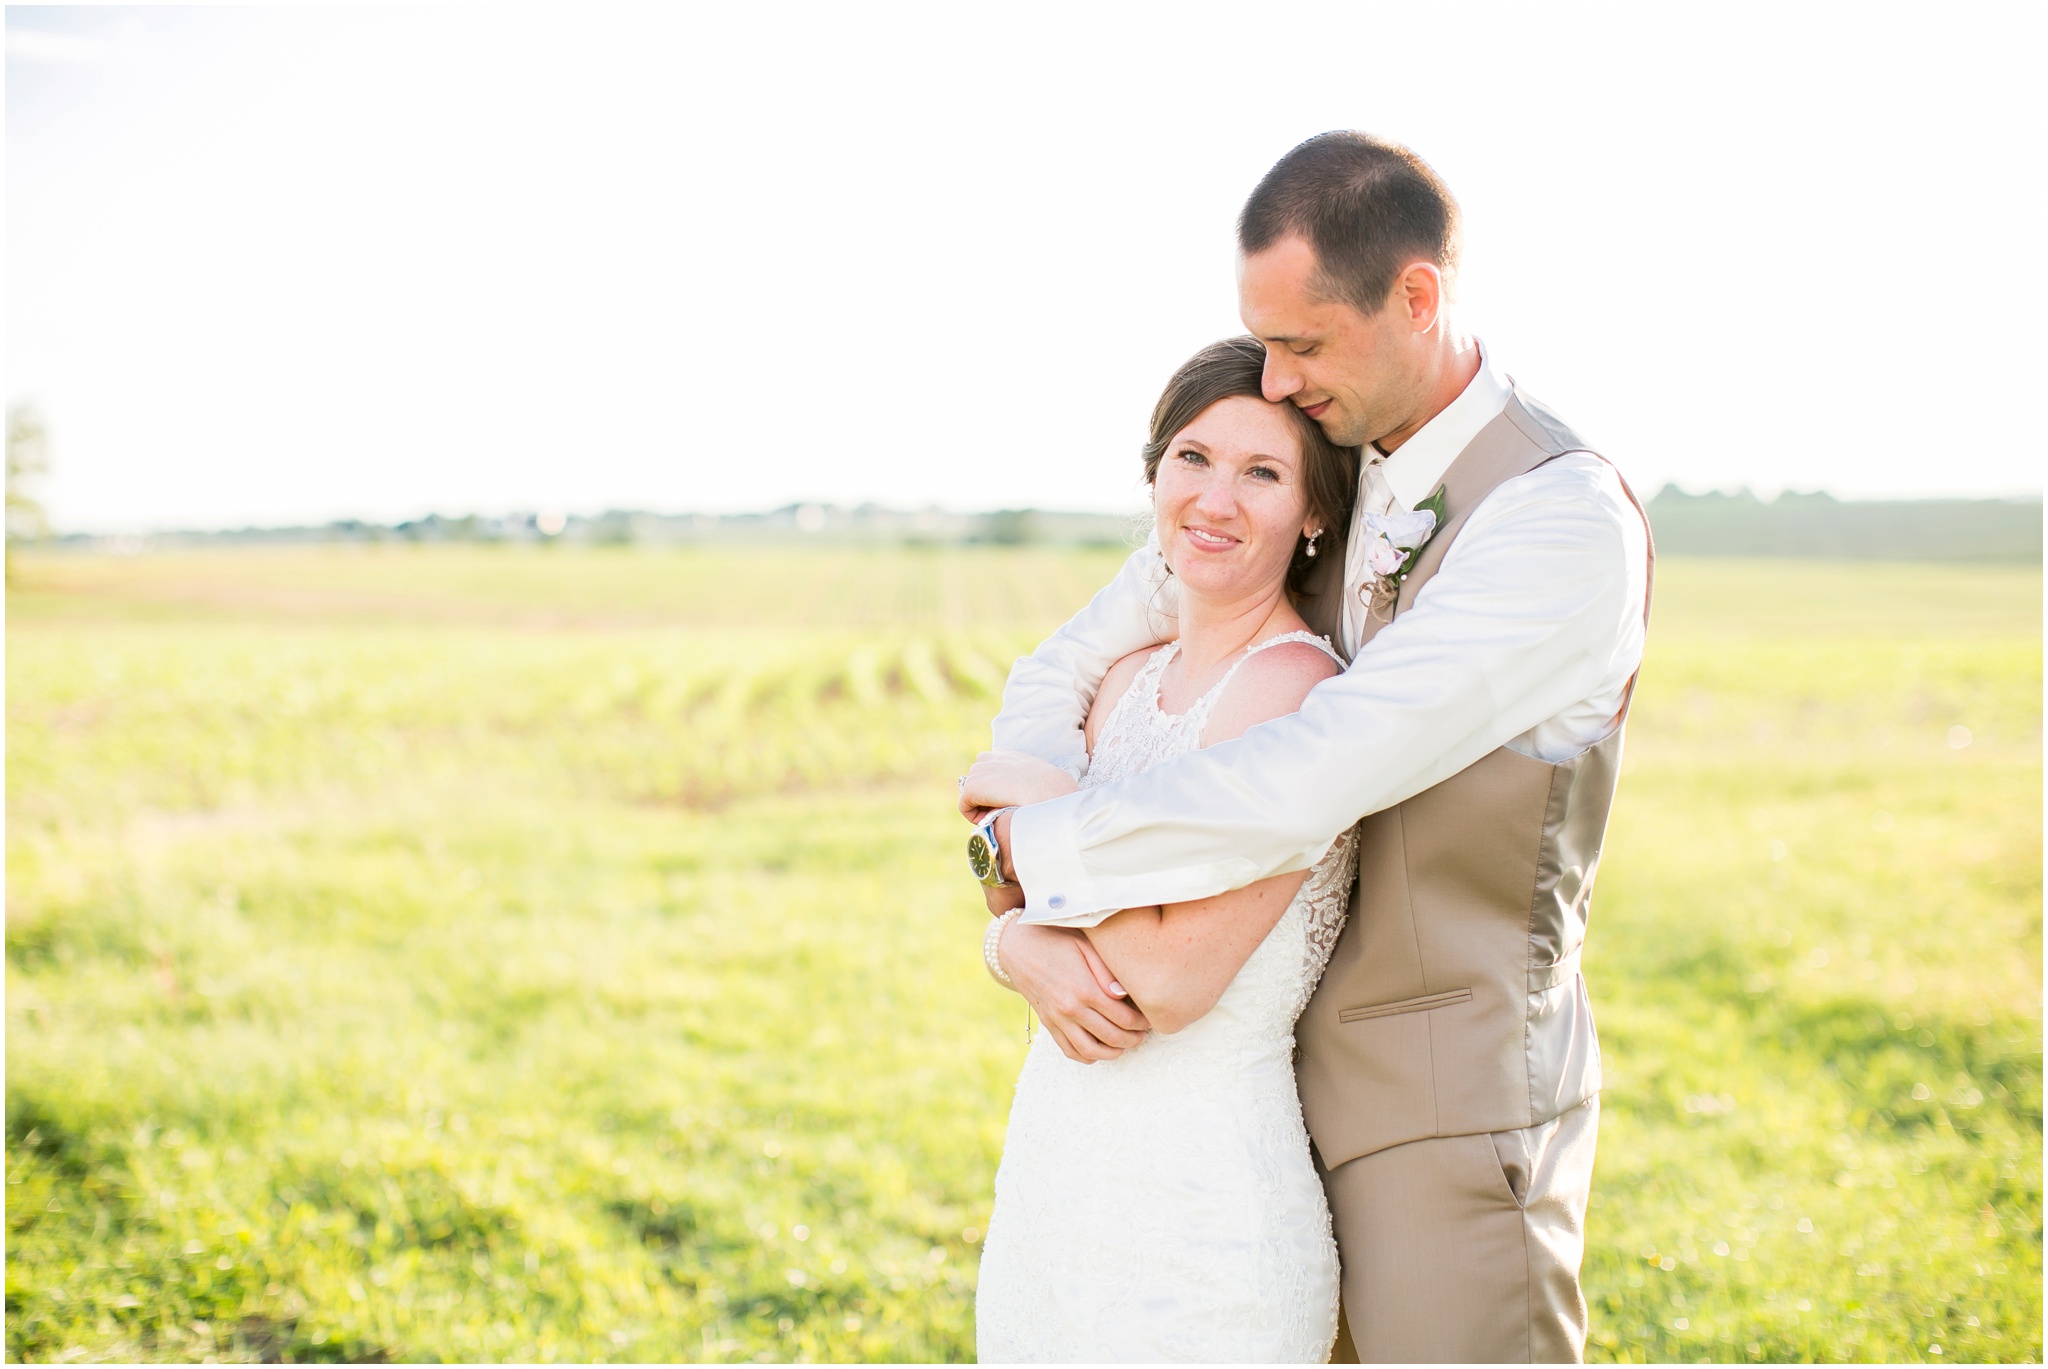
[{"x": 498, "y": 954}]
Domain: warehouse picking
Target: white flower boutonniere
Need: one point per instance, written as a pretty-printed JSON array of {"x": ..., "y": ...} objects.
[{"x": 1393, "y": 543}]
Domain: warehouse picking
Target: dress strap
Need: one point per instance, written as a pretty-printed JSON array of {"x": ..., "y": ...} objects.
[
  {"x": 1321, "y": 644},
  {"x": 1143, "y": 689},
  {"x": 1155, "y": 664}
]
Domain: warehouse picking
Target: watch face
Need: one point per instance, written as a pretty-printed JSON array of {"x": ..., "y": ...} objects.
[{"x": 981, "y": 856}]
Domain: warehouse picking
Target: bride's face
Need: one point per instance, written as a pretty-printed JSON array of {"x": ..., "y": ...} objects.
[{"x": 1229, "y": 498}]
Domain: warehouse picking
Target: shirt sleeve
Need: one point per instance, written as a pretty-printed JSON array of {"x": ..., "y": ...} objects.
[
  {"x": 1537, "y": 604},
  {"x": 1049, "y": 692}
]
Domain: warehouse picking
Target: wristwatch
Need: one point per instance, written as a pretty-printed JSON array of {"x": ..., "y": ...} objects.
[{"x": 984, "y": 855}]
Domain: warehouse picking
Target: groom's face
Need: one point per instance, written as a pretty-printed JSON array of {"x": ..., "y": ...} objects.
[{"x": 1351, "y": 372}]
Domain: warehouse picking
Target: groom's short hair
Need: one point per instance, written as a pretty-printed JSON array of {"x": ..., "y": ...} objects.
[{"x": 1367, "y": 206}]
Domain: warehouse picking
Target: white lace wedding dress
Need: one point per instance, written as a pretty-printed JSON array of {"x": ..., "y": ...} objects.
[{"x": 1163, "y": 1205}]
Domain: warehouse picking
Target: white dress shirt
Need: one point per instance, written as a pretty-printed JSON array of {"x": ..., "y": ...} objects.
[{"x": 1527, "y": 636}]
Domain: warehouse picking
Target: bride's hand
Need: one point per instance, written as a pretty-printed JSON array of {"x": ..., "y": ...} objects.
[
  {"x": 1064, "y": 979},
  {"x": 1004, "y": 779}
]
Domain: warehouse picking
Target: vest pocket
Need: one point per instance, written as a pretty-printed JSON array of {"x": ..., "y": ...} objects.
[{"x": 1422, "y": 1004}]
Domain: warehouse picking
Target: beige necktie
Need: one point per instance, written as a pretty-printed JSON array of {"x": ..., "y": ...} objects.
[{"x": 1375, "y": 495}]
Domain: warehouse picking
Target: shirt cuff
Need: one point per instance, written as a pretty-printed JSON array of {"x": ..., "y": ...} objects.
[
  {"x": 1045, "y": 852},
  {"x": 1060, "y": 891}
]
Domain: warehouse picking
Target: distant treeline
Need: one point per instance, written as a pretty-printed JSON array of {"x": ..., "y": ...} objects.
[
  {"x": 1802, "y": 525},
  {"x": 1820, "y": 525}
]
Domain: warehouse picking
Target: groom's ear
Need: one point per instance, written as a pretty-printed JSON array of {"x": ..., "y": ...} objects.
[{"x": 1418, "y": 295}]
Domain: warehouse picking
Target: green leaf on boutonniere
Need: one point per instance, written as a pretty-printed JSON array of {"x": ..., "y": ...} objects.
[{"x": 1435, "y": 505}]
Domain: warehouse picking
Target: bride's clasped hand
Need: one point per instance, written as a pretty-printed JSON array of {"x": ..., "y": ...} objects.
[{"x": 1002, "y": 779}]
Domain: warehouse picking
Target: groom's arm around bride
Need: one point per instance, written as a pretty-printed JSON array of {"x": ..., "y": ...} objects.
[{"x": 1492, "y": 601}]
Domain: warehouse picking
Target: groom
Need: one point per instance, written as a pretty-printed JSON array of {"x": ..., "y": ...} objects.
[{"x": 1492, "y": 599}]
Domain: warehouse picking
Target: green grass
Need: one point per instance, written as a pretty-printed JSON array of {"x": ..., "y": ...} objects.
[{"x": 476, "y": 954}]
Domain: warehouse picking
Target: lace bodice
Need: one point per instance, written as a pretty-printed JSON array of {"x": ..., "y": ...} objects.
[{"x": 1164, "y": 1205}]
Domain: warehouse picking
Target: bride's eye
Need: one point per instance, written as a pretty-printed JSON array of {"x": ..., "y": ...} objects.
[
  {"x": 1263, "y": 473},
  {"x": 1194, "y": 458}
]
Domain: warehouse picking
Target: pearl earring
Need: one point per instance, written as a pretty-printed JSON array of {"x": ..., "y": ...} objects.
[{"x": 1312, "y": 541}]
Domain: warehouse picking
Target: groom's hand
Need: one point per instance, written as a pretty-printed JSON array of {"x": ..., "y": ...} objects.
[
  {"x": 1010, "y": 779},
  {"x": 1079, "y": 1001}
]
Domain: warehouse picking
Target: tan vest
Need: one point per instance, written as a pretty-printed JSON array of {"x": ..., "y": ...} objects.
[{"x": 1453, "y": 1002}]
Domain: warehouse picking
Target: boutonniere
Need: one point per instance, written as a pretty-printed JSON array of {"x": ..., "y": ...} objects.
[{"x": 1394, "y": 542}]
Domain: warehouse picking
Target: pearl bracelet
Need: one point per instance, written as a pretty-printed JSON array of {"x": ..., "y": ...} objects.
[{"x": 991, "y": 946}]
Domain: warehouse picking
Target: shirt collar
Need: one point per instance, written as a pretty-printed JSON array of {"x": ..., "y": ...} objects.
[{"x": 1417, "y": 466}]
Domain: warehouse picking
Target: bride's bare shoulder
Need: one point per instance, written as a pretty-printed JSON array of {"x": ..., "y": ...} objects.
[{"x": 1271, "y": 684}]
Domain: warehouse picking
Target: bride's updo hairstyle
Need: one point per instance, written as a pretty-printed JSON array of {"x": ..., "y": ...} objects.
[{"x": 1233, "y": 367}]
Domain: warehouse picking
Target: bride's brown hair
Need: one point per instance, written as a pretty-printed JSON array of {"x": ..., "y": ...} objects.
[{"x": 1329, "y": 473}]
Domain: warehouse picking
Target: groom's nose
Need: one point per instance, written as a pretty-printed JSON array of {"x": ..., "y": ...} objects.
[{"x": 1278, "y": 379}]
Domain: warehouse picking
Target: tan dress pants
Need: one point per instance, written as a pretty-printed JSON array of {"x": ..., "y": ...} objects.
[{"x": 1467, "y": 1248}]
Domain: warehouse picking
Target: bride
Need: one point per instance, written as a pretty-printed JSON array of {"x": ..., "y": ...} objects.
[{"x": 1163, "y": 1205}]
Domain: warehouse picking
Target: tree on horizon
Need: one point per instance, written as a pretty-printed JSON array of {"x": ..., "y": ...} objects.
[{"x": 28, "y": 459}]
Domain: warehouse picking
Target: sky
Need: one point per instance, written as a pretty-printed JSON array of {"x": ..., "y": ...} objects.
[{"x": 291, "y": 264}]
